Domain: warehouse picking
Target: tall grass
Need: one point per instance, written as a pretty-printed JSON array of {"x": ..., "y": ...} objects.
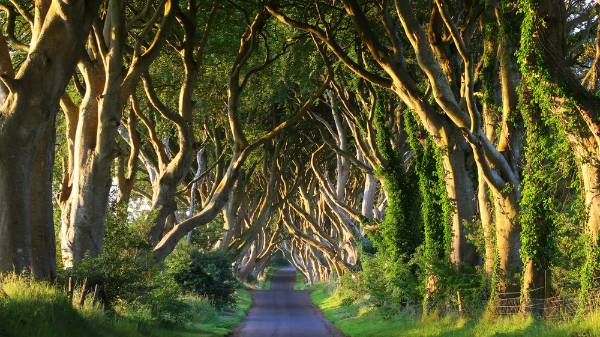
[{"x": 30, "y": 308}]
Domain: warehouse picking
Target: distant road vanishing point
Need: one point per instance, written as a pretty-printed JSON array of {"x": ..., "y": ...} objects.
[{"x": 283, "y": 312}]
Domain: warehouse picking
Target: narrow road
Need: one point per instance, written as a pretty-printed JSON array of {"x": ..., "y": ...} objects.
[{"x": 283, "y": 312}]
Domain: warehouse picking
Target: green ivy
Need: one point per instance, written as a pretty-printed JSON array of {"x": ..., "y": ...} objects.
[
  {"x": 435, "y": 207},
  {"x": 542, "y": 154},
  {"x": 589, "y": 271},
  {"x": 549, "y": 157},
  {"x": 401, "y": 232}
]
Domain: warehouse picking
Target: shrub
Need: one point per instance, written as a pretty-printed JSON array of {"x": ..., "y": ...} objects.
[
  {"x": 205, "y": 274},
  {"x": 349, "y": 288},
  {"x": 127, "y": 276},
  {"x": 388, "y": 282},
  {"x": 124, "y": 271},
  {"x": 165, "y": 300}
]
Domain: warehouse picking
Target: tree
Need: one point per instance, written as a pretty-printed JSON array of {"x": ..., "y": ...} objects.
[
  {"x": 84, "y": 196},
  {"x": 27, "y": 128}
]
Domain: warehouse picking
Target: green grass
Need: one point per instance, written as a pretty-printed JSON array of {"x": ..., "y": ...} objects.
[
  {"x": 219, "y": 324},
  {"x": 362, "y": 320},
  {"x": 29, "y": 308}
]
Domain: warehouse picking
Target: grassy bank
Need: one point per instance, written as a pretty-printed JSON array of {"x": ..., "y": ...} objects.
[
  {"x": 363, "y": 320},
  {"x": 38, "y": 309}
]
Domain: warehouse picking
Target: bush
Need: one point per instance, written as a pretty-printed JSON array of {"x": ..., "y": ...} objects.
[
  {"x": 165, "y": 300},
  {"x": 388, "y": 282},
  {"x": 127, "y": 276},
  {"x": 207, "y": 274},
  {"x": 124, "y": 270}
]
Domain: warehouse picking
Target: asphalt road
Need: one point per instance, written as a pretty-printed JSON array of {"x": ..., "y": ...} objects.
[{"x": 283, "y": 312}]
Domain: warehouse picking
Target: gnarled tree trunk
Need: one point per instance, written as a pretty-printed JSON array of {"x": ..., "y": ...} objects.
[{"x": 26, "y": 121}]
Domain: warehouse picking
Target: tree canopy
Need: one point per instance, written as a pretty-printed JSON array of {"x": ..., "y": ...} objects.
[{"x": 453, "y": 146}]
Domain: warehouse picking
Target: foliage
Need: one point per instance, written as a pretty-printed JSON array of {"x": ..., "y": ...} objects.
[
  {"x": 435, "y": 209},
  {"x": 400, "y": 234},
  {"x": 206, "y": 274},
  {"x": 32, "y": 308},
  {"x": 124, "y": 270},
  {"x": 205, "y": 238},
  {"x": 128, "y": 278},
  {"x": 301, "y": 283},
  {"x": 389, "y": 283},
  {"x": 551, "y": 197},
  {"x": 278, "y": 260},
  {"x": 400, "y": 230},
  {"x": 363, "y": 320},
  {"x": 29, "y": 308},
  {"x": 546, "y": 214},
  {"x": 589, "y": 272}
]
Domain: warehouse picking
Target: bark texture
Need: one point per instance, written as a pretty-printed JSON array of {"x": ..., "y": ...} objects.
[{"x": 26, "y": 133}]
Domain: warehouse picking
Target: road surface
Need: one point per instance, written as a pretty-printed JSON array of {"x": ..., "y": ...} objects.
[{"x": 283, "y": 312}]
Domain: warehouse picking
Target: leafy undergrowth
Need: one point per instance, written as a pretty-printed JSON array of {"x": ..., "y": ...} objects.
[
  {"x": 29, "y": 308},
  {"x": 363, "y": 320}
]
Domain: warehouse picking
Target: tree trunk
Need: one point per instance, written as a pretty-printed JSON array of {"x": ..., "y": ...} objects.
[
  {"x": 43, "y": 247},
  {"x": 95, "y": 149},
  {"x": 79, "y": 214},
  {"x": 26, "y": 119},
  {"x": 508, "y": 242},
  {"x": 163, "y": 203},
  {"x": 487, "y": 225},
  {"x": 534, "y": 287},
  {"x": 246, "y": 268},
  {"x": 368, "y": 199},
  {"x": 590, "y": 174},
  {"x": 462, "y": 197},
  {"x": 229, "y": 212},
  {"x": 546, "y": 24},
  {"x": 201, "y": 161},
  {"x": 92, "y": 174},
  {"x": 15, "y": 182}
]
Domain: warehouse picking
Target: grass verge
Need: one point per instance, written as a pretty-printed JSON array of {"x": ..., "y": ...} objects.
[
  {"x": 29, "y": 308},
  {"x": 363, "y": 320}
]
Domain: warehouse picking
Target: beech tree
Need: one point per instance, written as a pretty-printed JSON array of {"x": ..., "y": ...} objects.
[
  {"x": 85, "y": 193},
  {"x": 30, "y": 101},
  {"x": 570, "y": 98},
  {"x": 462, "y": 121}
]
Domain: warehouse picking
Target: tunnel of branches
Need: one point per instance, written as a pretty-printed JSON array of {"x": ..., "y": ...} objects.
[{"x": 451, "y": 146}]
